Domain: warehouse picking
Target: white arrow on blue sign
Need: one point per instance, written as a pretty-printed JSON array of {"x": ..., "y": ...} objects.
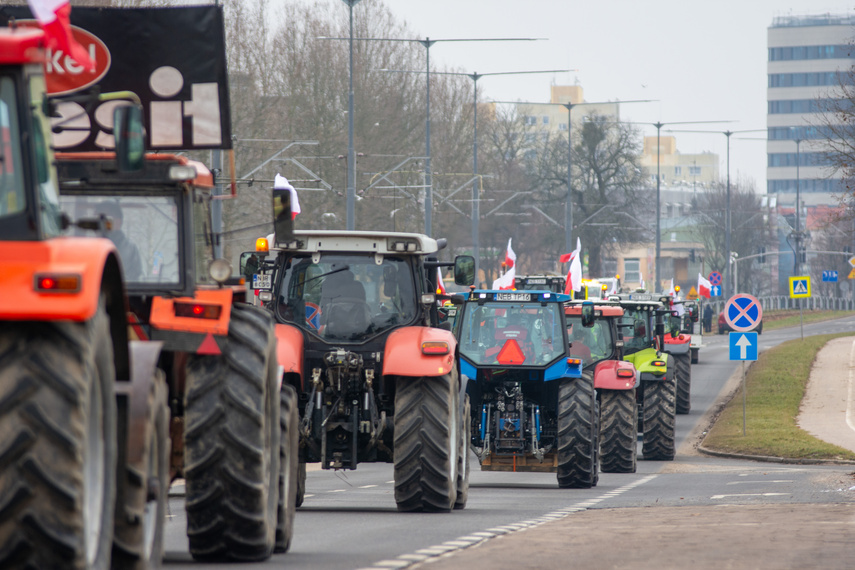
[
  {"x": 715, "y": 291},
  {"x": 830, "y": 276},
  {"x": 743, "y": 345}
]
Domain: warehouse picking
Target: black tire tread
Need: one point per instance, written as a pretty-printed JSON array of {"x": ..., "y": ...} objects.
[
  {"x": 618, "y": 431},
  {"x": 577, "y": 422},
  {"x": 683, "y": 370},
  {"x": 228, "y": 417},
  {"x": 659, "y": 420},
  {"x": 463, "y": 457},
  {"x": 425, "y": 411},
  {"x": 289, "y": 420}
]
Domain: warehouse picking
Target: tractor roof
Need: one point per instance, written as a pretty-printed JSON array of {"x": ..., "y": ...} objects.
[
  {"x": 398, "y": 243},
  {"x": 20, "y": 45},
  {"x": 599, "y": 310}
]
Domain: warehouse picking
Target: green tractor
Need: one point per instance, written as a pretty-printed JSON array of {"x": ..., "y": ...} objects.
[{"x": 643, "y": 327}]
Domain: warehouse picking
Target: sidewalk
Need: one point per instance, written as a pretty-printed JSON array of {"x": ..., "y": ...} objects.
[{"x": 827, "y": 411}]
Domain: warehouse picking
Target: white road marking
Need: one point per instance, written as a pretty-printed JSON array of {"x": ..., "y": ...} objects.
[
  {"x": 750, "y": 495},
  {"x": 774, "y": 481},
  {"x": 480, "y": 537},
  {"x": 367, "y": 486},
  {"x": 338, "y": 491}
]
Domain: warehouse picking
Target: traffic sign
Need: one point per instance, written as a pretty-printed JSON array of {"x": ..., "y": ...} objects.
[
  {"x": 743, "y": 345},
  {"x": 852, "y": 273},
  {"x": 693, "y": 293},
  {"x": 800, "y": 286},
  {"x": 715, "y": 277},
  {"x": 830, "y": 276},
  {"x": 743, "y": 312},
  {"x": 715, "y": 291},
  {"x": 852, "y": 261}
]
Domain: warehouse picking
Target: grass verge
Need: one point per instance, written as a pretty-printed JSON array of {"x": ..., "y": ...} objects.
[
  {"x": 775, "y": 388},
  {"x": 773, "y": 320}
]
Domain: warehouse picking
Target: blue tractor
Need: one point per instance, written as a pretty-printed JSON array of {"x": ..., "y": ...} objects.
[{"x": 531, "y": 406}]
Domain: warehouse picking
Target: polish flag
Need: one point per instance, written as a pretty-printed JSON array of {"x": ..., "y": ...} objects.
[
  {"x": 440, "y": 286},
  {"x": 704, "y": 286},
  {"x": 506, "y": 281},
  {"x": 281, "y": 183},
  {"x": 510, "y": 256},
  {"x": 676, "y": 307},
  {"x": 574, "y": 274},
  {"x": 53, "y": 17}
]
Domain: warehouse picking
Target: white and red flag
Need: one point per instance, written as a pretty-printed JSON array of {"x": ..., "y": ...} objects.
[
  {"x": 440, "y": 286},
  {"x": 281, "y": 183},
  {"x": 704, "y": 286},
  {"x": 574, "y": 274},
  {"x": 676, "y": 307},
  {"x": 506, "y": 281},
  {"x": 510, "y": 256},
  {"x": 53, "y": 16}
]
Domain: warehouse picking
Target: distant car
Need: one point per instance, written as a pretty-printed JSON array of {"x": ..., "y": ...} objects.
[{"x": 723, "y": 327}]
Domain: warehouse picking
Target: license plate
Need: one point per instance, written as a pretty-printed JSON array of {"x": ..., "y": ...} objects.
[
  {"x": 536, "y": 281},
  {"x": 513, "y": 296},
  {"x": 262, "y": 281}
]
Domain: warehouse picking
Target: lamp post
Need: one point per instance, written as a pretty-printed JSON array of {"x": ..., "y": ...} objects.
[
  {"x": 568, "y": 205},
  {"x": 798, "y": 236},
  {"x": 728, "y": 289},
  {"x": 351, "y": 157},
  {"x": 427, "y": 43},
  {"x": 476, "y": 214}
]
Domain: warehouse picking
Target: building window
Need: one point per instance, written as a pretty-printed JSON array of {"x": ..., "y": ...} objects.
[
  {"x": 678, "y": 170},
  {"x": 632, "y": 270},
  {"x": 609, "y": 267},
  {"x": 530, "y": 120},
  {"x": 562, "y": 126},
  {"x": 806, "y": 79},
  {"x": 545, "y": 120},
  {"x": 694, "y": 171}
]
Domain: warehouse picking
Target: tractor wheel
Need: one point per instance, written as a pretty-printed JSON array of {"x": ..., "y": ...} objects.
[
  {"x": 231, "y": 443},
  {"x": 426, "y": 441},
  {"x": 578, "y": 441},
  {"x": 683, "y": 376},
  {"x": 143, "y": 490},
  {"x": 301, "y": 483},
  {"x": 695, "y": 353},
  {"x": 618, "y": 431},
  {"x": 58, "y": 442},
  {"x": 463, "y": 457},
  {"x": 289, "y": 442},
  {"x": 659, "y": 420}
]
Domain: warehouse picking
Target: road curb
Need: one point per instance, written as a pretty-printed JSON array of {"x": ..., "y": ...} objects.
[{"x": 773, "y": 459}]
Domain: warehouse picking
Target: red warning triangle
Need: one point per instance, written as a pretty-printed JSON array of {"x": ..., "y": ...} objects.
[
  {"x": 208, "y": 346},
  {"x": 511, "y": 353}
]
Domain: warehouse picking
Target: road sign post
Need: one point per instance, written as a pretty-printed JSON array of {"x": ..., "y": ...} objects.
[
  {"x": 743, "y": 346},
  {"x": 799, "y": 289}
]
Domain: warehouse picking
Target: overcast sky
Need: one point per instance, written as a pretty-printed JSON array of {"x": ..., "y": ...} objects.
[{"x": 703, "y": 61}]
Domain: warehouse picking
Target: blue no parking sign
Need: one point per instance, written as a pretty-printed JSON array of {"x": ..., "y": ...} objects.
[{"x": 743, "y": 312}]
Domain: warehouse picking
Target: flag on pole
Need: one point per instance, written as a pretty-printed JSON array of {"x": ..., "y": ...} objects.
[
  {"x": 53, "y": 16},
  {"x": 574, "y": 274},
  {"x": 568, "y": 256},
  {"x": 281, "y": 183},
  {"x": 506, "y": 281},
  {"x": 440, "y": 286},
  {"x": 510, "y": 256},
  {"x": 704, "y": 286}
]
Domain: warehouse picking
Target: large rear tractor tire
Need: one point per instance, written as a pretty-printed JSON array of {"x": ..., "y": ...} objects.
[
  {"x": 463, "y": 457},
  {"x": 683, "y": 369},
  {"x": 57, "y": 443},
  {"x": 301, "y": 483},
  {"x": 231, "y": 443},
  {"x": 618, "y": 431},
  {"x": 289, "y": 442},
  {"x": 578, "y": 440},
  {"x": 659, "y": 420},
  {"x": 426, "y": 434},
  {"x": 143, "y": 490}
]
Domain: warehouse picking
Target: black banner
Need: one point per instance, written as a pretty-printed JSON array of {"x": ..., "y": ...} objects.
[{"x": 174, "y": 59}]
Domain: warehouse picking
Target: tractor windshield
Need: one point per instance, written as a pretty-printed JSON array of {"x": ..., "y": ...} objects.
[
  {"x": 347, "y": 297},
  {"x": 144, "y": 229},
  {"x": 638, "y": 332},
  {"x": 512, "y": 333},
  {"x": 593, "y": 344}
]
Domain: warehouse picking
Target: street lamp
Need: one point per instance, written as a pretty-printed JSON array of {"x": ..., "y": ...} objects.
[
  {"x": 727, "y": 223},
  {"x": 798, "y": 237},
  {"x": 568, "y": 205},
  {"x": 427, "y": 43},
  {"x": 476, "y": 214},
  {"x": 351, "y": 157}
]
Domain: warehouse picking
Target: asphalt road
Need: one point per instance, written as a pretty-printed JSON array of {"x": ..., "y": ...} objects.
[{"x": 349, "y": 519}]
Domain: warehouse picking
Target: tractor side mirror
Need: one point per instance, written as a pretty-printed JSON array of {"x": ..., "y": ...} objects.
[
  {"x": 283, "y": 222},
  {"x": 587, "y": 314},
  {"x": 464, "y": 270},
  {"x": 250, "y": 264},
  {"x": 129, "y": 136}
]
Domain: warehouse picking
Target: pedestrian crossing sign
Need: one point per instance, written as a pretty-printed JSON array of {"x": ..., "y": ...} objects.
[{"x": 800, "y": 286}]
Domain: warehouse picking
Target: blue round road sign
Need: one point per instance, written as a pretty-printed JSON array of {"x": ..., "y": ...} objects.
[
  {"x": 743, "y": 312},
  {"x": 715, "y": 278}
]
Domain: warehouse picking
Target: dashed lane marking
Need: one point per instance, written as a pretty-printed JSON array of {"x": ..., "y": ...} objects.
[
  {"x": 750, "y": 495},
  {"x": 748, "y": 482},
  {"x": 480, "y": 537}
]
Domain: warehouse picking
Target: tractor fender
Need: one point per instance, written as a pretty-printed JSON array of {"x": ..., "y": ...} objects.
[
  {"x": 677, "y": 346},
  {"x": 289, "y": 351},
  {"x": 606, "y": 375},
  {"x": 21, "y": 262},
  {"x": 135, "y": 393},
  {"x": 403, "y": 354},
  {"x": 163, "y": 312},
  {"x": 94, "y": 260}
]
